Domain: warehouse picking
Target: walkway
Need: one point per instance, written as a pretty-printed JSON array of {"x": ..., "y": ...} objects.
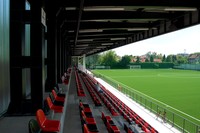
[{"x": 72, "y": 121}]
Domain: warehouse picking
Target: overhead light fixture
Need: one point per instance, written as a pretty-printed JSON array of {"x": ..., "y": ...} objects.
[
  {"x": 70, "y": 31},
  {"x": 103, "y": 8},
  {"x": 100, "y": 20},
  {"x": 70, "y": 8},
  {"x": 90, "y": 30},
  {"x": 136, "y": 29},
  {"x": 85, "y": 40},
  {"x": 180, "y": 9},
  {"x": 96, "y": 49},
  {"x": 101, "y": 47},
  {"x": 104, "y": 44},
  {"x": 84, "y": 45},
  {"x": 114, "y": 39},
  {"x": 154, "y": 28},
  {"x": 81, "y": 48}
]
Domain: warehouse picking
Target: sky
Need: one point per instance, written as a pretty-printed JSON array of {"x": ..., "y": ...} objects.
[{"x": 181, "y": 41}]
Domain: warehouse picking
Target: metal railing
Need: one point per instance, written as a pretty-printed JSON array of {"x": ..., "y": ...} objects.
[{"x": 166, "y": 113}]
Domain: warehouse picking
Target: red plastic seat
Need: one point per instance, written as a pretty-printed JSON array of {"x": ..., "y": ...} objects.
[
  {"x": 88, "y": 120},
  {"x": 129, "y": 131},
  {"x": 145, "y": 129},
  {"x": 104, "y": 118},
  {"x": 45, "y": 124},
  {"x": 114, "y": 129},
  {"x": 57, "y": 98},
  {"x": 153, "y": 130},
  {"x": 57, "y": 109},
  {"x": 86, "y": 129}
]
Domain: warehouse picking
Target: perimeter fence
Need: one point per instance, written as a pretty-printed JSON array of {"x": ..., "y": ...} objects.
[{"x": 164, "y": 112}]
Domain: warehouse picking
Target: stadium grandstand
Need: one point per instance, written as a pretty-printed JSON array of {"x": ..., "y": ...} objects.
[{"x": 43, "y": 87}]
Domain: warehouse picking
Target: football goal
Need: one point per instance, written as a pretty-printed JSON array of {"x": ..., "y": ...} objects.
[
  {"x": 102, "y": 67},
  {"x": 135, "y": 66}
]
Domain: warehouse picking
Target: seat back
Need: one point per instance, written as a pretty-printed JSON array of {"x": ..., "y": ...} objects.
[
  {"x": 54, "y": 93},
  {"x": 56, "y": 90},
  {"x": 102, "y": 116},
  {"x": 49, "y": 102},
  {"x": 51, "y": 97},
  {"x": 46, "y": 107},
  {"x": 41, "y": 118},
  {"x": 85, "y": 128},
  {"x": 56, "y": 86},
  {"x": 153, "y": 130},
  {"x": 33, "y": 126},
  {"x": 83, "y": 114}
]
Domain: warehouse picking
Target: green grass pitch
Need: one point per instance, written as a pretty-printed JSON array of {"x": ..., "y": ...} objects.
[{"x": 179, "y": 89}]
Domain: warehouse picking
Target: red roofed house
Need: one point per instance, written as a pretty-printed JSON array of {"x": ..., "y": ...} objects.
[
  {"x": 194, "y": 58},
  {"x": 157, "y": 60}
]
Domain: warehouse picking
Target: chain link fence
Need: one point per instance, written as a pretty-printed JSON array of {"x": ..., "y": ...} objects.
[{"x": 188, "y": 67}]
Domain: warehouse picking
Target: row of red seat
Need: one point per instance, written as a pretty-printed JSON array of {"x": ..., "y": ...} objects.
[
  {"x": 55, "y": 108},
  {"x": 55, "y": 102},
  {"x": 129, "y": 114},
  {"x": 87, "y": 120},
  {"x": 128, "y": 128},
  {"x": 91, "y": 92},
  {"x": 79, "y": 86},
  {"x": 48, "y": 125},
  {"x": 111, "y": 127},
  {"x": 51, "y": 123},
  {"x": 123, "y": 109},
  {"x": 101, "y": 95},
  {"x": 45, "y": 124}
]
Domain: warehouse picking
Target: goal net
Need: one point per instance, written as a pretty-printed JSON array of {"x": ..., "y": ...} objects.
[
  {"x": 102, "y": 67},
  {"x": 135, "y": 66}
]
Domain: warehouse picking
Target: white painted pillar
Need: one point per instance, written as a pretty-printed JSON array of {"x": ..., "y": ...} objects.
[
  {"x": 84, "y": 67},
  {"x": 78, "y": 65}
]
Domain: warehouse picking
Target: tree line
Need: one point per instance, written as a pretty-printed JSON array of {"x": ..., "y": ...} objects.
[{"x": 110, "y": 58}]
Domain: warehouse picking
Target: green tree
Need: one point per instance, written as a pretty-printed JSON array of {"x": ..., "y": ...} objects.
[
  {"x": 174, "y": 59},
  {"x": 169, "y": 58},
  {"x": 109, "y": 58},
  {"x": 151, "y": 58},
  {"x": 163, "y": 58},
  {"x": 154, "y": 54},
  {"x": 92, "y": 60},
  {"x": 181, "y": 59},
  {"x": 146, "y": 60},
  {"x": 125, "y": 61},
  {"x": 138, "y": 59},
  {"x": 159, "y": 56},
  {"x": 148, "y": 54}
]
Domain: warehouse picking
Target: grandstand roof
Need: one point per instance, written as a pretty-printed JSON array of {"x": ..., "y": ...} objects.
[{"x": 92, "y": 26}]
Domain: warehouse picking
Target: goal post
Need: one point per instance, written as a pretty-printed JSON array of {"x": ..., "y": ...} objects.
[
  {"x": 102, "y": 67},
  {"x": 135, "y": 66}
]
